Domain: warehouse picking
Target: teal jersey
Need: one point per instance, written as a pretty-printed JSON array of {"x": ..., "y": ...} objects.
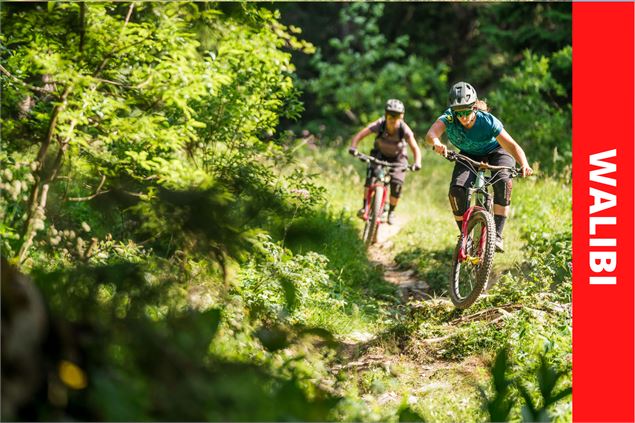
[{"x": 480, "y": 139}]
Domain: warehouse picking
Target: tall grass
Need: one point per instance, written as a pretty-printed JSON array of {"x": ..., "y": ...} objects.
[{"x": 532, "y": 278}]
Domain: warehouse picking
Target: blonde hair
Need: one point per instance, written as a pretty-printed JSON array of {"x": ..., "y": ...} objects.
[{"x": 481, "y": 105}]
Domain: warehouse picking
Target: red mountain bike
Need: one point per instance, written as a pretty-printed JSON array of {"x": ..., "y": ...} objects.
[
  {"x": 474, "y": 252},
  {"x": 376, "y": 195}
]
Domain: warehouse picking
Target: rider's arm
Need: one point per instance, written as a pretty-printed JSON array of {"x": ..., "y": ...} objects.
[
  {"x": 359, "y": 136},
  {"x": 412, "y": 142},
  {"x": 433, "y": 137},
  {"x": 511, "y": 146}
]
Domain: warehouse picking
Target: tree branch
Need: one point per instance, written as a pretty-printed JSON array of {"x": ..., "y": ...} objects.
[
  {"x": 98, "y": 191},
  {"x": 37, "y": 198},
  {"x": 128, "y": 16},
  {"x": 106, "y": 81},
  {"x": 32, "y": 230},
  {"x": 24, "y": 84},
  {"x": 487, "y": 314}
]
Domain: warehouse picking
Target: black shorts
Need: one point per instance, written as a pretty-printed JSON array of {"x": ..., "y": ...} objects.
[
  {"x": 463, "y": 177},
  {"x": 398, "y": 174}
]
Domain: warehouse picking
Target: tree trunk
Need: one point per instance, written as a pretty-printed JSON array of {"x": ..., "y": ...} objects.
[{"x": 39, "y": 192}]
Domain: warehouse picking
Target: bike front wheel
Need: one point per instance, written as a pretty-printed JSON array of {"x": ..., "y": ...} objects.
[
  {"x": 370, "y": 228},
  {"x": 469, "y": 276}
]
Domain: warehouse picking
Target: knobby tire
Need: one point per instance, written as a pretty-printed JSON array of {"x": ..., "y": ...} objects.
[
  {"x": 370, "y": 229},
  {"x": 473, "y": 277}
]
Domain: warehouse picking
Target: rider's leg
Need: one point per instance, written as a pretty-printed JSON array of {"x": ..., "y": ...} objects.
[
  {"x": 369, "y": 176},
  {"x": 462, "y": 178},
  {"x": 502, "y": 188},
  {"x": 502, "y": 192},
  {"x": 392, "y": 203},
  {"x": 395, "y": 193},
  {"x": 360, "y": 212},
  {"x": 502, "y": 199},
  {"x": 500, "y": 216},
  {"x": 397, "y": 178},
  {"x": 459, "y": 202}
]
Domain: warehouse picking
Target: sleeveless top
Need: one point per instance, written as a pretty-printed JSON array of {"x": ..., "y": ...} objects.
[{"x": 390, "y": 145}]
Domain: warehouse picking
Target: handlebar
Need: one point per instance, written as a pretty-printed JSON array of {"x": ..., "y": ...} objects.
[
  {"x": 367, "y": 159},
  {"x": 474, "y": 165}
]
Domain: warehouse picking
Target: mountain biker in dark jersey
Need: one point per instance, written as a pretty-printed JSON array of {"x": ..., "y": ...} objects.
[
  {"x": 480, "y": 136},
  {"x": 393, "y": 135}
]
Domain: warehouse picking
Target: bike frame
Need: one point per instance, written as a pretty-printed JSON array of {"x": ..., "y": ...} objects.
[
  {"x": 384, "y": 181},
  {"x": 369, "y": 194},
  {"x": 480, "y": 188}
]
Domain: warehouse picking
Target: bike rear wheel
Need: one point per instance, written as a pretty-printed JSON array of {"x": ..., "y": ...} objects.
[
  {"x": 370, "y": 228},
  {"x": 469, "y": 277}
]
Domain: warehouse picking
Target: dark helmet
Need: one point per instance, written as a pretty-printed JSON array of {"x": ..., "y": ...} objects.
[
  {"x": 462, "y": 94},
  {"x": 395, "y": 106}
]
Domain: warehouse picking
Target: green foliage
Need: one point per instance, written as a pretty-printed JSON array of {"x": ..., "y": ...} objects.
[
  {"x": 145, "y": 354},
  {"x": 406, "y": 414},
  {"x": 547, "y": 377},
  {"x": 506, "y": 388},
  {"x": 204, "y": 217},
  {"x": 499, "y": 405},
  {"x": 136, "y": 95},
  {"x": 192, "y": 264},
  {"x": 533, "y": 106},
  {"x": 16, "y": 181},
  {"x": 504, "y": 31},
  {"x": 336, "y": 237},
  {"x": 479, "y": 42},
  {"x": 152, "y": 129},
  {"x": 278, "y": 286},
  {"x": 368, "y": 68}
]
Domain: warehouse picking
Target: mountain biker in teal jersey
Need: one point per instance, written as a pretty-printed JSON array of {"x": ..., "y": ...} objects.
[
  {"x": 480, "y": 136},
  {"x": 392, "y": 136}
]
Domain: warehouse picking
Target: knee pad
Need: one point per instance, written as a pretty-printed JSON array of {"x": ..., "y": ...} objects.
[
  {"x": 458, "y": 199},
  {"x": 503, "y": 192},
  {"x": 395, "y": 188}
]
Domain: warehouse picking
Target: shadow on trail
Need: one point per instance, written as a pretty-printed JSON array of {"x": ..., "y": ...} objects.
[{"x": 432, "y": 266}]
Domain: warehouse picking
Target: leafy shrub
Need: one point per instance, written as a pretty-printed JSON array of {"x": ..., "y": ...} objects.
[
  {"x": 277, "y": 285},
  {"x": 512, "y": 391},
  {"x": 132, "y": 116},
  {"x": 535, "y": 109},
  {"x": 122, "y": 344},
  {"x": 369, "y": 69}
]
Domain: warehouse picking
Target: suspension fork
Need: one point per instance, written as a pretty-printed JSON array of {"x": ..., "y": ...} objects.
[
  {"x": 369, "y": 194},
  {"x": 466, "y": 217}
]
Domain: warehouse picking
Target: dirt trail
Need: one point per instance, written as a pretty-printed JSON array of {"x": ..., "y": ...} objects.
[
  {"x": 410, "y": 286},
  {"x": 381, "y": 253},
  {"x": 415, "y": 363}
]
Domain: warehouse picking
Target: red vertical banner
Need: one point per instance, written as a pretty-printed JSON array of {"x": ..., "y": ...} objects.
[{"x": 603, "y": 296}]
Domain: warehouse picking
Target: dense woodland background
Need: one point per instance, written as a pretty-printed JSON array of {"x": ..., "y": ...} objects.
[{"x": 176, "y": 213}]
